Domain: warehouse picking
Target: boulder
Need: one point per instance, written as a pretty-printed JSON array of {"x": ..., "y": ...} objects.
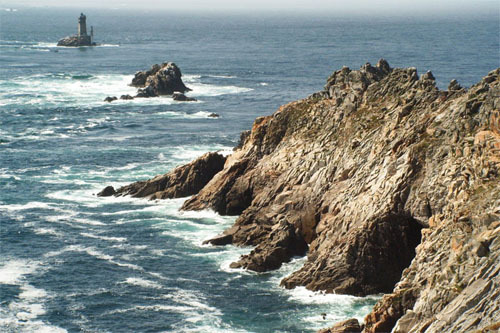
[
  {"x": 110, "y": 99},
  {"x": 126, "y": 97},
  {"x": 107, "y": 192},
  {"x": 182, "y": 98},
  {"x": 213, "y": 115},
  {"x": 346, "y": 326}
]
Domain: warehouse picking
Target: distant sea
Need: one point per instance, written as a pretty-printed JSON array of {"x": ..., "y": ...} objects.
[{"x": 70, "y": 261}]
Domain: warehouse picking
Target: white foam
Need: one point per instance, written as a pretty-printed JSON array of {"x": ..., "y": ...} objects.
[
  {"x": 31, "y": 293},
  {"x": 47, "y": 231},
  {"x": 201, "y": 89},
  {"x": 13, "y": 271},
  {"x": 142, "y": 283},
  {"x": 264, "y": 84},
  {"x": 27, "y": 206},
  {"x": 106, "y": 238}
]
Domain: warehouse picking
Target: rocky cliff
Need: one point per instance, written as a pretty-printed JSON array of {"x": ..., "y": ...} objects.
[{"x": 388, "y": 184}]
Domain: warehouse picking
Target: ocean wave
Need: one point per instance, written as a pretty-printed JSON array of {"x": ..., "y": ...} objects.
[
  {"x": 134, "y": 281},
  {"x": 186, "y": 115},
  {"x": 26, "y": 206},
  {"x": 76, "y": 89},
  {"x": 106, "y": 238}
]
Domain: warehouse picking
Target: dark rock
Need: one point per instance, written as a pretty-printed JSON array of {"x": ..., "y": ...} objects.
[
  {"x": 107, "y": 192},
  {"x": 159, "y": 80},
  {"x": 140, "y": 78},
  {"x": 482, "y": 249},
  {"x": 243, "y": 139},
  {"x": 110, "y": 99},
  {"x": 182, "y": 98},
  {"x": 76, "y": 41},
  {"x": 223, "y": 239},
  {"x": 181, "y": 182},
  {"x": 126, "y": 97},
  {"x": 346, "y": 326},
  {"x": 284, "y": 244},
  {"x": 213, "y": 115}
]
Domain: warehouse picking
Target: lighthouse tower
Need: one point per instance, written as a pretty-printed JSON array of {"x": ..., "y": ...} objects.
[
  {"x": 83, "y": 38},
  {"x": 82, "y": 25}
]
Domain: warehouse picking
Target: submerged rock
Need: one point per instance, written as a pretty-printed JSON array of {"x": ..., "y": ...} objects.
[
  {"x": 213, "y": 115},
  {"x": 110, "y": 99},
  {"x": 182, "y": 98}
]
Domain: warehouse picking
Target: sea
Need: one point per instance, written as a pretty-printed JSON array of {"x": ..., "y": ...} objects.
[{"x": 73, "y": 262}]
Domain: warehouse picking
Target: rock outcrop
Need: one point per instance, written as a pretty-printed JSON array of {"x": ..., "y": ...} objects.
[
  {"x": 181, "y": 182},
  {"x": 179, "y": 97},
  {"x": 346, "y": 326},
  {"x": 76, "y": 41},
  {"x": 390, "y": 184},
  {"x": 160, "y": 80}
]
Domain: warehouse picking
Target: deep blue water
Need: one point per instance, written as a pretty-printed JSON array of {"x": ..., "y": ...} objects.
[{"x": 73, "y": 262}]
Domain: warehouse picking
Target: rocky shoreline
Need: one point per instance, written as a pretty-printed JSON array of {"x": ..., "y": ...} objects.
[{"x": 389, "y": 185}]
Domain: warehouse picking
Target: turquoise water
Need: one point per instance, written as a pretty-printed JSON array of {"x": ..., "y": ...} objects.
[{"x": 73, "y": 262}]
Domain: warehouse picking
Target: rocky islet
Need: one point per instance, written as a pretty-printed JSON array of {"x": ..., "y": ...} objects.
[
  {"x": 160, "y": 80},
  {"x": 389, "y": 185}
]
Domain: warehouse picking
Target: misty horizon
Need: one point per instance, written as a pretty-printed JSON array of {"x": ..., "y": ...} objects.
[{"x": 354, "y": 7}]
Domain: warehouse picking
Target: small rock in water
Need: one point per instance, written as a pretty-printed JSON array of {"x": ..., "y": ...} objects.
[
  {"x": 110, "y": 99},
  {"x": 213, "y": 115},
  {"x": 107, "y": 192},
  {"x": 126, "y": 97},
  {"x": 182, "y": 98}
]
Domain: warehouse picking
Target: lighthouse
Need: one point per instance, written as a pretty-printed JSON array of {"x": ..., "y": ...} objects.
[
  {"x": 82, "y": 25},
  {"x": 82, "y": 38}
]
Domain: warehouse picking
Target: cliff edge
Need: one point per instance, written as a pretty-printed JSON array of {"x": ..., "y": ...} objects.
[{"x": 389, "y": 185}]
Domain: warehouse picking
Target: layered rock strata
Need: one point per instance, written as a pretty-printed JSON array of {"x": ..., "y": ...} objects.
[
  {"x": 181, "y": 182},
  {"x": 381, "y": 177}
]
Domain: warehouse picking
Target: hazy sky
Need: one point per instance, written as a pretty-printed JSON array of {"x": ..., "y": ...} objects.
[{"x": 356, "y": 6}]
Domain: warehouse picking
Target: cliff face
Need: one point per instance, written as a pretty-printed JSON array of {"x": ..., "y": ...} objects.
[{"x": 380, "y": 178}]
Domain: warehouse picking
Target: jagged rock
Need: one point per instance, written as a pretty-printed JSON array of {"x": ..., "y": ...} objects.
[
  {"x": 182, "y": 98},
  {"x": 110, "y": 99},
  {"x": 284, "y": 244},
  {"x": 159, "y": 80},
  {"x": 384, "y": 178},
  {"x": 361, "y": 174},
  {"x": 181, "y": 182},
  {"x": 107, "y": 192},
  {"x": 454, "y": 86},
  {"x": 346, "y": 326},
  {"x": 126, "y": 97},
  {"x": 223, "y": 239}
]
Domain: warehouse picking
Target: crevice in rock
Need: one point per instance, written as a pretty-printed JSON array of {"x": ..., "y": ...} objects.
[{"x": 388, "y": 249}]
